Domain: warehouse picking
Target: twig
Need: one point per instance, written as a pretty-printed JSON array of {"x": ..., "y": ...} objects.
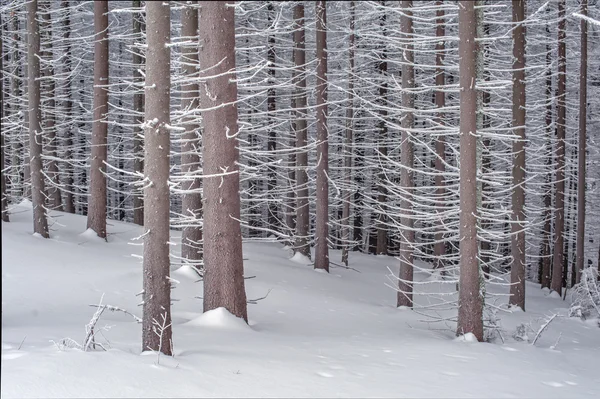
[
  {"x": 344, "y": 266},
  {"x": 21, "y": 344},
  {"x": 254, "y": 301},
  {"x": 541, "y": 330}
]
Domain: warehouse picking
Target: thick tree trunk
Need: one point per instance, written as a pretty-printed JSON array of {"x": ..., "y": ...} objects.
[
  {"x": 67, "y": 111},
  {"x": 470, "y": 307},
  {"x": 157, "y": 286},
  {"x": 54, "y": 194},
  {"x": 97, "y": 200},
  {"x": 40, "y": 223},
  {"x": 517, "y": 274},
  {"x": 223, "y": 264},
  {"x": 348, "y": 144},
  {"x": 582, "y": 147},
  {"x": 138, "y": 109},
  {"x": 407, "y": 233},
  {"x": 191, "y": 204},
  {"x": 559, "y": 202},
  {"x": 439, "y": 248},
  {"x": 302, "y": 206},
  {"x": 322, "y": 227}
]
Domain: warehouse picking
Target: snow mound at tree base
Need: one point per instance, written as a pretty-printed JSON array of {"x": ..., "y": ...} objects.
[{"x": 220, "y": 318}]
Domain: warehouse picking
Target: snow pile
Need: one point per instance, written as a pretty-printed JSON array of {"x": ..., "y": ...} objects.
[{"x": 219, "y": 318}]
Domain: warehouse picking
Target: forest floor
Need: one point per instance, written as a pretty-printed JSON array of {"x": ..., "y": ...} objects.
[{"x": 315, "y": 335}]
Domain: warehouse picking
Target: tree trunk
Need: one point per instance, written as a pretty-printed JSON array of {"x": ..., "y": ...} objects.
[
  {"x": 381, "y": 238},
  {"x": 322, "y": 228},
  {"x": 16, "y": 146},
  {"x": 439, "y": 248},
  {"x": 582, "y": 147},
  {"x": 4, "y": 198},
  {"x": 302, "y": 206},
  {"x": 97, "y": 199},
  {"x": 40, "y": 223},
  {"x": 470, "y": 307},
  {"x": 273, "y": 217},
  {"x": 138, "y": 109},
  {"x": 407, "y": 233},
  {"x": 191, "y": 236},
  {"x": 517, "y": 273},
  {"x": 223, "y": 264},
  {"x": 157, "y": 285},
  {"x": 559, "y": 202},
  {"x": 67, "y": 111},
  {"x": 348, "y": 144}
]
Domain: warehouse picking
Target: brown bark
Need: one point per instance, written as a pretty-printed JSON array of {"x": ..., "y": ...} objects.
[
  {"x": 190, "y": 159},
  {"x": 517, "y": 274},
  {"x": 157, "y": 286},
  {"x": 382, "y": 234},
  {"x": 17, "y": 146},
  {"x": 4, "y": 198},
  {"x": 582, "y": 146},
  {"x": 439, "y": 248},
  {"x": 348, "y": 143},
  {"x": 407, "y": 233},
  {"x": 273, "y": 217},
  {"x": 322, "y": 228},
  {"x": 470, "y": 307},
  {"x": 559, "y": 202},
  {"x": 67, "y": 110},
  {"x": 54, "y": 194},
  {"x": 223, "y": 264},
  {"x": 138, "y": 109},
  {"x": 40, "y": 223},
  {"x": 302, "y": 207},
  {"x": 290, "y": 197},
  {"x": 97, "y": 199}
]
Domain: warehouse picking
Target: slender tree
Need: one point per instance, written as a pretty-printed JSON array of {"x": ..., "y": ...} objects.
[
  {"x": 517, "y": 288},
  {"x": 439, "y": 248},
  {"x": 273, "y": 217},
  {"x": 223, "y": 264},
  {"x": 190, "y": 158},
  {"x": 40, "y": 223},
  {"x": 381, "y": 247},
  {"x": 138, "y": 108},
  {"x": 470, "y": 308},
  {"x": 4, "y": 198},
  {"x": 582, "y": 145},
  {"x": 559, "y": 201},
  {"x": 157, "y": 286},
  {"x": 67, "y": 109},
  {"x": 348, "y": 143},
  {"x": 302, "y": 207},
  {"x": 322, "y": 228},
  {"x": 97, "y": 200},
  {"x": 407, "y": 232}
]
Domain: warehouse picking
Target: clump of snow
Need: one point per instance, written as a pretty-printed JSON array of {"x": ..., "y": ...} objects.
[
  {"x": 91, "y": 235},
  {"x": 554, "y": 294},
  {"x": 37, "y": 235},
  {"x": 468, "y": 337},
  {"x": 515, "y": 308},
  {"x": 219, "y": 318},
  {"x": 188, "y": 272},
  {"x": 403, "y": 307},
  {"x": 301, "y": 259}
]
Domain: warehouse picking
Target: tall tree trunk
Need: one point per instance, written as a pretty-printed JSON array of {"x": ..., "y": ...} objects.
[
  {"x": 16, "y": 146},
  {"x": 138, "y": 109},
  {"x": 517, "y": 274},
  {"x": 382, "y": 234},
  {"x": 559, "y": 202},
  {"x": 582, "y": 146},
  {"x": 40, "y": 223},
  {"x": 439, "y": 248},
  {"x": 302, "y": 205},
  {"x": 322, "y": 228},
  {"x": 273, "y": 217},
  {"x": 97, "y": 200},
  {"x": 545, "y": 272},
  {"x": 190, "y": 158},
  {"x": 157, "y": 285},
  {"x": 4, "y": 198},
  {"x": 348, "y": 144},
  {"x": 470, "y": 307},
  {"x": 67, "y": 111},
  {"x": 54, "y": 194},
  {"x": 407, "y": 233},
  {"x": 290, "y": 200},
  {"x": 223, "y": 264}
]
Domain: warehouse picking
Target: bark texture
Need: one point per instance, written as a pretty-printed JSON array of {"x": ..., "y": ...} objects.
[
  {"x": 470, "y": 308},
  {"x": 157, "y": 286},
  {"x": 439, "y": 248},
  {"x": 138, "y": 109},
  {"x": 407, "y": 233},
  {"x": 517, "y": 273},
  {"x": 322, "y": 224},
  {"x": 4, "y": 199},
  {"x": 40, "y": 223},
  {"x": 223, "y": 264},
  {"x": 97, "y": 199}
]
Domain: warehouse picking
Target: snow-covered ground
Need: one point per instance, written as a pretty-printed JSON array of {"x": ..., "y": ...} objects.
[{"x": 315, "y": 335}]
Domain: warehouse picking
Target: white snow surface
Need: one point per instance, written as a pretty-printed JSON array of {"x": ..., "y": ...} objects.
[{"x": 315, "y": 335}]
